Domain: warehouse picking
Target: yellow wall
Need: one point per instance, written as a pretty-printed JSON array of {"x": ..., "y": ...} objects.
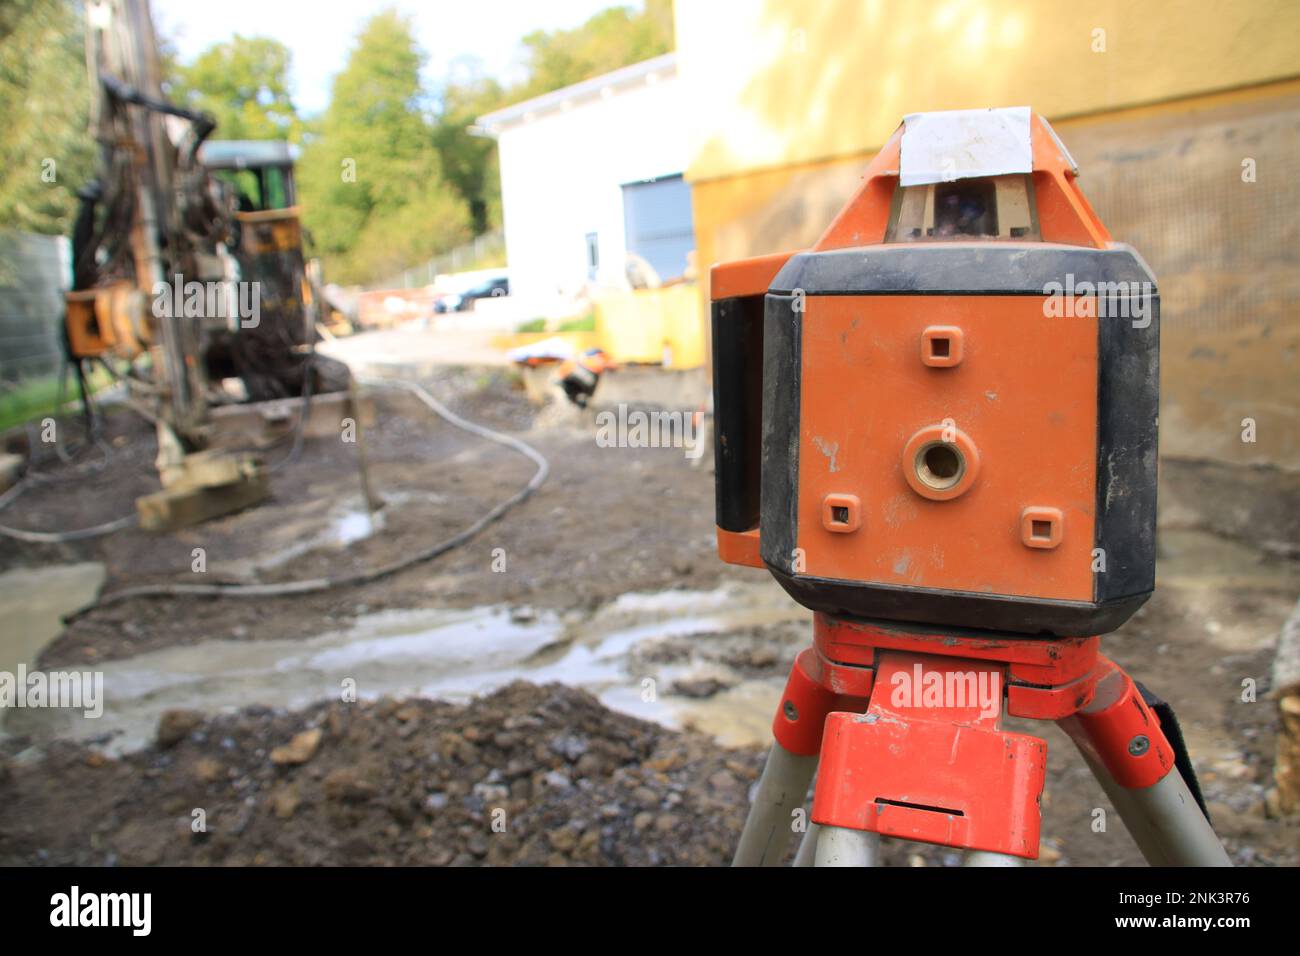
[
  {"x": 652, "y": 325},
  {"x": 793, "y": 97},
  {"x": 780, "y": 82},
  {"x": 1168, "y": 180}
]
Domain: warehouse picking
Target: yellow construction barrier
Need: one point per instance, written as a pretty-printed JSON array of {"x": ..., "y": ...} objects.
[{"x": 653, "y": 325}]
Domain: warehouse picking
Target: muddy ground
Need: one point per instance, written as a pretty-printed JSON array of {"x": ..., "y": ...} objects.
[
  {"x": 564, "y": 779},
  {"x": 606, "y": 522}
]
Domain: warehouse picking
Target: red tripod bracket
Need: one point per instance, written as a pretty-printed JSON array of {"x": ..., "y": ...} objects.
[
  {"x": 940, "y": 769},
  {"x": 1121, "y": 732},
  {"x": 929, "y": 762},
  {"x": 1045, "y": 679}
]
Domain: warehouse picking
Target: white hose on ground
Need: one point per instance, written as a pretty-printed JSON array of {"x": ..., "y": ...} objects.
[{"x": 313, "y": 585}]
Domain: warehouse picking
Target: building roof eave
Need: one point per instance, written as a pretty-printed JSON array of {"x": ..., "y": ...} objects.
[{"x": 492, "y": 124}]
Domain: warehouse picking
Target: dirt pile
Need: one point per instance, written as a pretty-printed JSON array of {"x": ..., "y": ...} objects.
[
  {"x": 532, "y": 775},
  {"x": 528, "y": 775}
]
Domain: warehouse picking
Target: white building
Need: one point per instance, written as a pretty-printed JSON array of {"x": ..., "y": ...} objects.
[{"x": 592, "y": 172}]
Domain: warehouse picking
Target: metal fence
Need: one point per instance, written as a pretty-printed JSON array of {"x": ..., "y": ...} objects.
[
  {"x": 486, "y": 250},
  {"x": 34, "y": 272}
]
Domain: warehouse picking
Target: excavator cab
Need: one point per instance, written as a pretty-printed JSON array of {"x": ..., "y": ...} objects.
[
  {"x": 260, "y": 171},
  {"x": 269, "y": 249}
]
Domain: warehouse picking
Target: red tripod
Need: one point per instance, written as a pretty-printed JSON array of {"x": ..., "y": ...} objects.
[{"x": 905, "y": 725}]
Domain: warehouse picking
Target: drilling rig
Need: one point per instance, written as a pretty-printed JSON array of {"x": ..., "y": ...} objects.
[{"x": 197, "y": 286}]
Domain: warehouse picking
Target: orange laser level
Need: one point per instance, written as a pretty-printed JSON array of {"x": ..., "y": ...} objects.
[
  {"x": 936, "y": 428},
  {"x": 945, "y": 411}
]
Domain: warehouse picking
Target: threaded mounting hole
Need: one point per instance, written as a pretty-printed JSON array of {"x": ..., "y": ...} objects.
[{"x": 940, "y": 465}]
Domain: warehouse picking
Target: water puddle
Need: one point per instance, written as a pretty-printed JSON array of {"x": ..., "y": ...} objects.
[
  {"x": 355, "y": 526},
  {"x": 343, "y": 523},
  {"x": 33, "y": 602},
  {"x": 632, "y": 653}
]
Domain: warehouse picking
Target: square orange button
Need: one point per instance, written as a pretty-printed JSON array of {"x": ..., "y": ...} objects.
[
  {"x": 941, "y": 346},
  {"x": 1041, "y": 527},
  {"x": 841, "y": 513}
]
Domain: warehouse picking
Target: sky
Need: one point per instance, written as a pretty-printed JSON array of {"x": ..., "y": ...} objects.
[{"x": 320, "y": 32}]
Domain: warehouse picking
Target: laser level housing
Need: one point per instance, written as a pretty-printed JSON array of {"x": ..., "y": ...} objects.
[{"x": 945, "y": 411}]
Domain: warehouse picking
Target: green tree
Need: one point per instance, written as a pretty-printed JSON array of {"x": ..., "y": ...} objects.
[
  {"x": 374, "y": 195},
  {"x": 469, "y": 161},
  {"x": 46, "y": 151},
  {"x": 244, "y": 84},
  {"x": 615, "y": 37},
  {"x": 389, "y": 177}
]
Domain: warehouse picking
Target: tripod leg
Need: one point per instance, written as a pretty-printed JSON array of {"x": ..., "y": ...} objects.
[
  {"x": 985, "y": 858},
  {"x": 1121, "y": 740},
  {"x": 1163, "y": 819},
  {"x": 791, "y": 763},
  {"x": 781, "y": 790},
  {"x": 1122, "y": 801},
  {"x": 840, "y": 846},
  {"x": 807, "y": 855},
  {"x": 1176, "y": 825}
]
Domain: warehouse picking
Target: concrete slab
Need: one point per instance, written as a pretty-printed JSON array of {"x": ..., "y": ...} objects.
[
  {"x": 259, "y": 423},
  {"x": 650, "y": 386},
  {"x": 412, "y": 349}
]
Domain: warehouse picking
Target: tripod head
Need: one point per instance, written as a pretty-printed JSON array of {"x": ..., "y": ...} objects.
[{"x": 945, "y": 411}]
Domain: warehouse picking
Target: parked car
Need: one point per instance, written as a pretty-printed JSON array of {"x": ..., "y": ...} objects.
[{"x": 464, "y": 301}]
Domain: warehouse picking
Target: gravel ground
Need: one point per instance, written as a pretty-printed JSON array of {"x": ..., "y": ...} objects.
[{"x": 528, "y": 775}]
